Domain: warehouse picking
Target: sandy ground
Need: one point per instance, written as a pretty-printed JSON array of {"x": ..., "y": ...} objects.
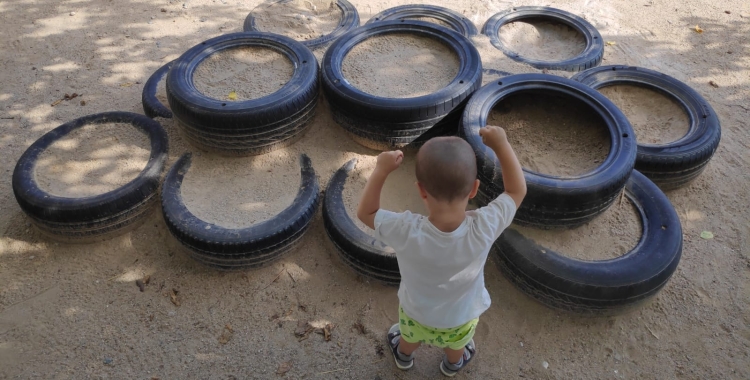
[{"x": 74, "y": 311}]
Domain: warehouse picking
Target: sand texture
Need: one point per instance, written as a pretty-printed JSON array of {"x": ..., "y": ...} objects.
[
  {"x": 250, "y": 72},
  {"x": 93, "y": 160},
  {"x": 75, "y": 311},
  {"x": 400, "y": 66}
]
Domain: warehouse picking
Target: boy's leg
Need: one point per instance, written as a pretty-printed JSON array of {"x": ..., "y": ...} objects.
[
  {"x": 454, "y": 360},
  {"x": 407, "y": 348},
  {"x": 453, "y": 356}
]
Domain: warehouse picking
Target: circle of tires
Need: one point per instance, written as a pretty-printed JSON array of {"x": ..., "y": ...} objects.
[
  {"x": 247, "y": 127},
  {"x": 232, "y": 249},
  {"x": 360, "y": 251},
  {"x": 591, "y": 55},
  {"x": 677, "y": 163},
  {"x": 87, "y": 219},
  {"x": 349, "y": 21},
  {"x": 551, "y": 201},
  {"x": 384, "y": 123},
  {"x": 600, "y": 287},
  {"x": 152, "y": 106},
  {"x": 455, "y": 20}
]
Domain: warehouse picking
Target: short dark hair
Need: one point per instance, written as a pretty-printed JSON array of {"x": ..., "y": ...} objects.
[{"x": 446, "y": 168}]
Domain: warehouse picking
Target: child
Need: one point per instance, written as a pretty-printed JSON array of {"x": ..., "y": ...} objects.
[{"x": 441, "y": 256}]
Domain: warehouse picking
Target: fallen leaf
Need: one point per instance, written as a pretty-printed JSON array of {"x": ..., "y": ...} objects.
[
  {"x": 360, "y": 327},
  {"x": 232, "y": 95},
  {"x": 698, "y": 29},
  {"x": 707, "y": 235},
  {"x": 284, "y": 368},
  {"x": 327, "y": 332},
  {"x": 728, "y": 12},
  {"x": 611, "y": 43},
  {"x": 226, "y": 334},
  {"x": 56, "y": 102},
  {"x": 83, "y": 102},
  {"x": 713, "y": 84},
  {"x": 173, "y": 297},
  {"x": 379, "y": 349},
  {"x": 127, "y": 84},
  {"x": 303, "y": 329},
  {"x": 140, "y": 285},
  {"x": 147, "y": 279}
]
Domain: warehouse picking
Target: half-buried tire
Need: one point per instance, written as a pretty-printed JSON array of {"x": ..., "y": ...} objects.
[
  {"x": 349, "y": 20},
  {"x": 552, "y": 201},
  {"x": 600, "y": 287},
  {"x": 455, "y": 20},
  {"x": 677, "y": 163},
  {"x": 152, "y": 106},
  {"x": 246, "y": 127},
  {"x": 384, "y": 123},
  {"x": 589, "y": 57},
  {"x": 363, "y": 253},
  {"x": 230, "y": 249},
  {"x": 94, "y": 218}
]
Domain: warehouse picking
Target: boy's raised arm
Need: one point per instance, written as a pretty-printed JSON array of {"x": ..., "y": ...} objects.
[
  {"x": 513, "y": 179},
  {"x": 369, "y": 204}
]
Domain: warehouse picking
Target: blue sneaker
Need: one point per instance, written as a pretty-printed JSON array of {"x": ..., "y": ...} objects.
[
  {"x": 451, "y": 370},
  {"x": 403, "y": 362}
]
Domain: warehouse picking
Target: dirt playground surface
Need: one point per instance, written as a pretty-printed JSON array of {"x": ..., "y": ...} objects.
[{"x": 75, "y": 311}]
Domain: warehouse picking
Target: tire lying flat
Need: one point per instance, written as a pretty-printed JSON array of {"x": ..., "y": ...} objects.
[
  {"x": 94, "y": 218},
  {"x": 152, "y": 106},
  {"x": 551, "y": 201},
  {"x": 233, "y": 249},
  {"x": 247, "y": 127},
  {"x": 591, "y": 55},
  {"x": 360, "y": 251},
  {"x": 457, "y": 22},
  {"x": 384, "y": 123},
  {"x": 600, "y": 287},
  {"x": 349, "y": 21},
  {"x": 677, "y": 163}
]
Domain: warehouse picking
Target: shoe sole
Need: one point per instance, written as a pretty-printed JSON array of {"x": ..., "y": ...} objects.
[{"x": 443, "y": 369}]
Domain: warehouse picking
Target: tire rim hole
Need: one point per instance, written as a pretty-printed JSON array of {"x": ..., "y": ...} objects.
[
  {"x": 705, "y": 116},
  {"x": 624, "y": 135},
  {"x": 614, "y": 69},
  {"x": 500, "y": 83},
  {"x": 461, "y": 81},
  {"x": 304, "y": 61},
  {"x": 223, "y": 104}
]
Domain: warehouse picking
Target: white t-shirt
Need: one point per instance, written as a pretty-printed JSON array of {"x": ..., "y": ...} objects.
[{"x": 442, "y": 273}]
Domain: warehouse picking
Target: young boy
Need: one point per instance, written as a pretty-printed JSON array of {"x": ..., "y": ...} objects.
[{"x": 441, "y": 256}]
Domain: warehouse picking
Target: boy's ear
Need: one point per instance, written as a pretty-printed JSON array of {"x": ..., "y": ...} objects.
[
  {"x": 474, "y": 189},
  {"x": 422, "y": 192}
]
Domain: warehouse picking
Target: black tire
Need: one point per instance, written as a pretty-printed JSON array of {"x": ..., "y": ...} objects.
[
  {"x": 457, "y": 21},
  {"x": 268, "y": 122},
  {"x": 360, "y": 251},
  {"x": 349, "y": 21},
  {"x": 227, "y": 248},
  {"x": 87, "y": 219},
  {"x": 591, "y": 55},
  {"x": 677, "y": 163},
  {"x": 152, "y": 106},
  {"x": 600, "y": 287},
  {"x": 402, "y": 118},
  {"x": 551, "y": 201}
]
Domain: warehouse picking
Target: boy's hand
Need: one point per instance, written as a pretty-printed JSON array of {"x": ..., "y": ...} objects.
[
  {"x": 389, "y": 161},
  {"x": 493, "y": 136}
]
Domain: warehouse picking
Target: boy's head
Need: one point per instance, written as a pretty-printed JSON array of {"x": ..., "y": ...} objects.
[{"x": 447, "y": 169}]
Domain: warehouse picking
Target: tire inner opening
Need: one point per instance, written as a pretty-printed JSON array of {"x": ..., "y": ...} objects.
[
  {"x": 93, "y": 160},
  {"x": 612, "y": 234},
  {"x": 400, "y": 65},
  {"x": 656, "y": 118},
  {"x": 552, "y": 134},
  {"x": 241, "y": 192},
  {"x": 242, "y": 73},
  {"x": 542, "y": 39}
]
